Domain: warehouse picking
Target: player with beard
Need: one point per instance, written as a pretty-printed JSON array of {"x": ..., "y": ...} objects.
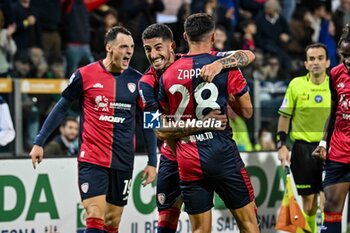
[{"x": 159, "y": 48}]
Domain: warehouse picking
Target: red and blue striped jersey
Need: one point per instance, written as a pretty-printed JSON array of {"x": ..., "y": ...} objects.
[
  {"x": 340, "y": 140},
  {"x": 149, "y": 88},
  {"x": 188, "y": 96},
  {"x": 108, "y": 103}
]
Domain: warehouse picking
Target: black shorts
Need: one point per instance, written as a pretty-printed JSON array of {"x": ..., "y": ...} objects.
[
  {"x": 336, "y": 173},
  {"x": 307, "y": 171},
  {"x": 234, "y": 189},
  {"x": 96, "y": 180},
  {"x": 168, "y": 183}
]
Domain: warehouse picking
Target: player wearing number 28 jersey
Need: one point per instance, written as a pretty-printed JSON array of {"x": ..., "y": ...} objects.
[
  {"x": 208, "y": 160},
  {"x": 184, "y": 92},
  {"x": 211, "y": 157}
]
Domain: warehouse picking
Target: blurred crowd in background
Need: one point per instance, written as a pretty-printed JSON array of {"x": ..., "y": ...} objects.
[{"x": 51, "y": 38}]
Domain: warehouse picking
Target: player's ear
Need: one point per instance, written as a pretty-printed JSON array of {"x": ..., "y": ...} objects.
[
  {"x": 185, "y": 36},
  {"x": 109, "y": 48},
  {"x": 212, "y": 38},
  {"x": 173, "y": 45}
]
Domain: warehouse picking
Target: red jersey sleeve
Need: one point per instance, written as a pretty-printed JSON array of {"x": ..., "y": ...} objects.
[{"x": 237, "y": 85}]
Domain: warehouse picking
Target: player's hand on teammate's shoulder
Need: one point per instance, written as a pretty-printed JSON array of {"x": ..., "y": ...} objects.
[
  {"x": 283, "y": 156},
  {"x": 148, "y": 175},
  {"x": 218, "y": 116},
  {"x": 320, "y": 153},
  {"x": 37, "y": 154},
  {"x": 209, "y": 71}
]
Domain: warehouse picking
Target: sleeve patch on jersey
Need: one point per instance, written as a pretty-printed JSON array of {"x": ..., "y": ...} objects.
[{"x": 284, "y": 103}]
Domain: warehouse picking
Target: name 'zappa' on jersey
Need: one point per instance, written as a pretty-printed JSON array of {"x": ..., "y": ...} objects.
[{"x": 185, "y": 94}]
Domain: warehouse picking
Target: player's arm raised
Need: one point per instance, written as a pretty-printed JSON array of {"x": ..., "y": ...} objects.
[{"x": 238, "y": 58}]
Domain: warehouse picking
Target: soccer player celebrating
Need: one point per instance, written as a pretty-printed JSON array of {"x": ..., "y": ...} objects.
[
  {"x": 108, "y": 96},
  {"x": 159, "y": 48},
  {"x": 306, "y": 96},
  {"x": 336, "y": 183},
  {"x": 208, "y": 160}
]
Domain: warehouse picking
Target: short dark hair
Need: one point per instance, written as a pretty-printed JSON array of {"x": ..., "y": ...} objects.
[
  {"x": 157, "y": 30},
  {"x": 314, "y": 46},
  {"x": 346, "y": 35},
  {"x": 69, "y": 118},
  {"x": 197, "y": 25},
  {"x": 113, "y": 33}
]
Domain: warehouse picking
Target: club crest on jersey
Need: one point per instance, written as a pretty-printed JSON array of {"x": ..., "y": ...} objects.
[
  {"x": 341, "y": 85},
  {"x": 161, "y": 198},
  {"x": 132, "y": 87},
  {"x": 318, "y": 99},
  {"x": 101, "y": 103},
  {"x": 84, "y": 187}
]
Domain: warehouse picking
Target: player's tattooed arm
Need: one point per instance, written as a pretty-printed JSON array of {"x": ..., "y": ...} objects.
[{"x": 239, "y": 58}]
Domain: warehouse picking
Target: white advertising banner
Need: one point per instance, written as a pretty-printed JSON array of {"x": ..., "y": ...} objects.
[{"x": 46, "y": 200}]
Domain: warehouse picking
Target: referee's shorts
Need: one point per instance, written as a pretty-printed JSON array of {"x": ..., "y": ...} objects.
[{"x": 307, "y": 171}]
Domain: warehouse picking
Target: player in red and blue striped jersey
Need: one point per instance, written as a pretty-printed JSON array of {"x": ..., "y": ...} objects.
[
  {"x": 208, "y": 160},
  {"x": 108, "y": 95},
  {"x": 159, "y": 48},
  {"x": 336, "y": 184}
]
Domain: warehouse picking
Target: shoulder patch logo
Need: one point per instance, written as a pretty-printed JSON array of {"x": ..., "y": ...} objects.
[
  {"x": 341, "y": 85},
  {"x": 318, "y": 98},
  {"x": 84, "y": 187},
  {"x": 98, "y": 85},
  {"x": 132, "y": 87}
]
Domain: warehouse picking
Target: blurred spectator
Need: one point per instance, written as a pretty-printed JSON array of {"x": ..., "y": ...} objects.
[
  {"x": 265, "y": 141},
  {"x": 288, "y": 7},
  {"x": 317, "y": 13},
  {"x": 56, "y": 67},
  {"x": 22, "y": 69},
  {"x": 301, "y": 33},
  {"x": 341, "y": 16},
  {"x": 21, "y": 65},
  {"x": 6, "y": 7},
  {"x": 326, "y": 37},
  {"x": 273, "y": 32},
  {"x": 250, "y": 8},
  {"x": 231, "y": 11},
  {"x": 220, "y": 39},
  {"x": 110, "y": 20},
  {"x": 28, "y": 32},
  {"x": 63, "y": 144},
  {"x": 39, "y": 64},
  {"x": 272, "y": 89},
  {"x": 7, "y": 46},
  {"x": 7, "y": 132},
  {"x": 256, "y": 70},
  {"x": 75, "y": 33},
  {"x": 221, "y": 14},
  {"x": 136, "y": 15},
  {"x": 248, "y": 28},
  {"x": 49, "y": 16},
  {"x": 178, "y": 28}
]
